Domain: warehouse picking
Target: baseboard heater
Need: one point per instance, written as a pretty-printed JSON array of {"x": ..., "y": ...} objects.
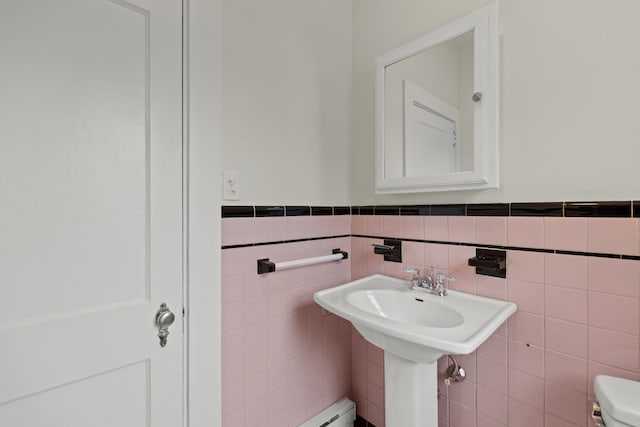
[{"x": 340, "y": 414}]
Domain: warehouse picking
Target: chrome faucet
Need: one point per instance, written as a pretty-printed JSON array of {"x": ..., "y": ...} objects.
[
  {"x": 427, "y": 283},
  {"x": 420, "y": 282},
  {"x": 415, "y": 280},
  {"x": 440, "y": 287}
]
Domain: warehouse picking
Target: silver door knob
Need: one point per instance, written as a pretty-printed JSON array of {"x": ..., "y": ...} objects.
[{"x": 164, "y": 319}]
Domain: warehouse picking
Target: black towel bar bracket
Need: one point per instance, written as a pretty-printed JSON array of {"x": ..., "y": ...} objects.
[
  {"x": 490, "y": 262},
  {"x": 391, "y": 249}
]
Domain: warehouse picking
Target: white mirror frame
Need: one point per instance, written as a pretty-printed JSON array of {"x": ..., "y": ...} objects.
[{"x": 484, "y": 24}]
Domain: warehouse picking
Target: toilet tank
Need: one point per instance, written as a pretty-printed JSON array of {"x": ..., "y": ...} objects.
[{"x": 619, "y": 400}]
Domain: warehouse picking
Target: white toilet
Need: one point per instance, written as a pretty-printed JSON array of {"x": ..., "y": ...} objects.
[{"x": 619, "y": 401}]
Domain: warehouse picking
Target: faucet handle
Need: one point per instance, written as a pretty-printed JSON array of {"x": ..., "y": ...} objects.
[
  {"x": 441, "y": 277},
  {"x": 440, "y": 286},
  {"x": 414, "y": 271}
]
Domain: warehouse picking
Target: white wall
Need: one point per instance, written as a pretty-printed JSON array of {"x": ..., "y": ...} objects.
[
  {"x": 203, "y": 373},
  {"x": 286, "y": 87},
  {"x": 570, "y": 96}
]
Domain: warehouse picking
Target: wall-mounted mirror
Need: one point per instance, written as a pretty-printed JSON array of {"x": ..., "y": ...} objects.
[{"x": 437, "y": 109}]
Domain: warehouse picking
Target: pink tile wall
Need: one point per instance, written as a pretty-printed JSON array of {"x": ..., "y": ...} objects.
[
  {"x": 283, "y": 358},
  {"x": 578, "y": 316},
  {"x": 367, "y": 379}
]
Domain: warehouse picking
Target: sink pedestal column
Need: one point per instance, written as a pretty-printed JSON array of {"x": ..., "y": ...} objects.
[{"x": 410, "y": 392}]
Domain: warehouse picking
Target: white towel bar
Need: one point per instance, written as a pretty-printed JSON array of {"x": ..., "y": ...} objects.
[{"x": 266, "y": 266}]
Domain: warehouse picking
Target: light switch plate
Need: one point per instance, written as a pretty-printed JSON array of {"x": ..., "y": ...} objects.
[{"x": 230, "y": 185}]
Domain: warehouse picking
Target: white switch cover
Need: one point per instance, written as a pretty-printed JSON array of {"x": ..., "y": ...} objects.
[{"x": 230, "y": 185}]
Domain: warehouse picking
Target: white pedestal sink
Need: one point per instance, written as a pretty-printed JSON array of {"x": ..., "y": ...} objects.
[{"x": 414, "y": 328}]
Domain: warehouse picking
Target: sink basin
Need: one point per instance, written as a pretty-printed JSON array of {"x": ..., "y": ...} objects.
[
  {"x": 414, "y": 324},
  {"x": 401, "y": 306}
]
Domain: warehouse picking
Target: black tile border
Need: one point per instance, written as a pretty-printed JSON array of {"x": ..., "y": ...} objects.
[
  {"x": 268, "y": 211},
  {"x": 412, "y": 210},
  {"x": 507, "y": 248},
  {"x": 297, "y": 210},
  {"x": 281, "y": 242},
  {"x": 443, "y": 242},
  {"x": 238, "y": 212},
  {"x": 448, "y": 210},
  {"x": 607, "y": 209},
  {"x": 342, "y": 210},
  {"x": 321, "y": 210},
  {"x": 551, "y": 209},
  {"x": 367, "y": 210},
  {"x": 598, "y": 209},
  {"x": 488, "y": 209},
  {"x": 387, "y": 210}
]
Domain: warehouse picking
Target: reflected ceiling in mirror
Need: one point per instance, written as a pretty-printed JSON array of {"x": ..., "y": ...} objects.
[{"x": 436, "y": 109}]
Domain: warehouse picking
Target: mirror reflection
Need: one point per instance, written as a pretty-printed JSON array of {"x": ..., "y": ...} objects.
[
  {"x": 436, "y": 110},
  {"x": 429, "y": 111}
]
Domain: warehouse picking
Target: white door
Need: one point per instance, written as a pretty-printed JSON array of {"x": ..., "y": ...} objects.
[
  {"x": 430, "y": 133},
  {"x": 90, "y": 212}
]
